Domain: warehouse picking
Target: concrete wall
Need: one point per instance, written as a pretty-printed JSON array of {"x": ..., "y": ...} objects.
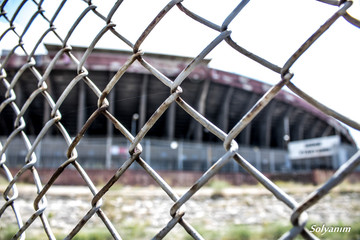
[{"x": 174, "y": 178}]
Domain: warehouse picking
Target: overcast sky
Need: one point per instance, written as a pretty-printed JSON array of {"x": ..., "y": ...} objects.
[{"x": 329, "y": 71}]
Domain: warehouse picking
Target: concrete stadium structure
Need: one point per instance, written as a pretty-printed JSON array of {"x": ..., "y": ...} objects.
[{"x": 222, "y": 97}]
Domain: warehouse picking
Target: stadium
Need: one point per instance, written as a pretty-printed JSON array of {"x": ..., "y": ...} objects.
[
  {"x": 176, "y": 142},
  {"x": 179, "y": 136}
]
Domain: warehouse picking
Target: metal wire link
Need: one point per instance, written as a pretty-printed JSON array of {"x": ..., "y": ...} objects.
[{"x": 298, "y": 218}]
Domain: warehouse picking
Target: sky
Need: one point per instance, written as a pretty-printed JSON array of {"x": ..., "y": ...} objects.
[{"x": 328, "y": 71}]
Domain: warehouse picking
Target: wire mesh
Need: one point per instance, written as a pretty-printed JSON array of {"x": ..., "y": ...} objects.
[{"x": 30, "y": 19}]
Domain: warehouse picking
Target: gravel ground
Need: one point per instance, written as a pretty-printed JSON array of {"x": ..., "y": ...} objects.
[{"x": 126, "y": 206}]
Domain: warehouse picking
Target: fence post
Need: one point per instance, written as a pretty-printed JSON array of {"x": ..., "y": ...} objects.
[
  {"x": 209, "y": 156},
  {"x": 257, "y": 158},
  {"x": 272, "y": 161},
  {"x": 148, "y": 151},
  {"x": 180, "y": 156},
  {"x": 38, "y": 154}
]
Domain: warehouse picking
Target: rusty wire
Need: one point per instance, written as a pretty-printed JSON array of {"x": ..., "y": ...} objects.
[{"x": 299, "y": 217}]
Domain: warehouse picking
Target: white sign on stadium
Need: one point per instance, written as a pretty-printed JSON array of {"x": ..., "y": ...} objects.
[{"x": 316, "y": 147}]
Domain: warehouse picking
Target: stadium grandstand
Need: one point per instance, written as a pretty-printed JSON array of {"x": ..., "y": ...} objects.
[{"x": 288, "y": 135}]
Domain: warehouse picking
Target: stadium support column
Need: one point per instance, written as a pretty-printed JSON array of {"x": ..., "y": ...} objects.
[
  {"x": 170, "y": 121},
  {"x": 283, "y": 128},
  {"x": 201, "y": 108},
  {"x": 223, "y": 119},
  {"x": 286, "y": 137},
  {"x": 245, "y": 135},
  {"x": 81, "y": 107},
  {"x": 46, "y": 115},
  {"x": 265, "y": 137},
  {"x": 327, "y": 131},
  {"x": 301, "y": 127},
  {"x": 109, "y": 131},
  {"x": 315, "y": 128},
  {"x": 19, "y": 95},
  {"x": 143, "y": 100}
]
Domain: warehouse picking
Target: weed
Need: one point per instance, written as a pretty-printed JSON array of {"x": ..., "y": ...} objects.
[
  {"x": 218, "y": 187},
  {"x": 238, "y": 232},
  {"x": 8, "y": 232}
]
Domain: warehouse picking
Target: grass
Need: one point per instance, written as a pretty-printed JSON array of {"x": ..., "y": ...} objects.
[
  {"x": 8, "y": 232},
  {"x": 267, "y": 231},
  {"x": 244, "y": 232},
  {"x": 272, "y": 231},
  {"x": 131, "y": 232},
  {"x": 229, "y": 232},
  {"x": 93, "y": 234}
]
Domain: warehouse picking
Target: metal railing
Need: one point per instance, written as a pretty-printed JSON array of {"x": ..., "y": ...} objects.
[
  {"x": 98, "y": 153},
  {"x": 160, "y": 154},
  {"x": 38, "y": 13}
]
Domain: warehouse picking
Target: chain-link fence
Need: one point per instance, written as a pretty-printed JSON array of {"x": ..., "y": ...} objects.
[{"x": 12, "y": 11}]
